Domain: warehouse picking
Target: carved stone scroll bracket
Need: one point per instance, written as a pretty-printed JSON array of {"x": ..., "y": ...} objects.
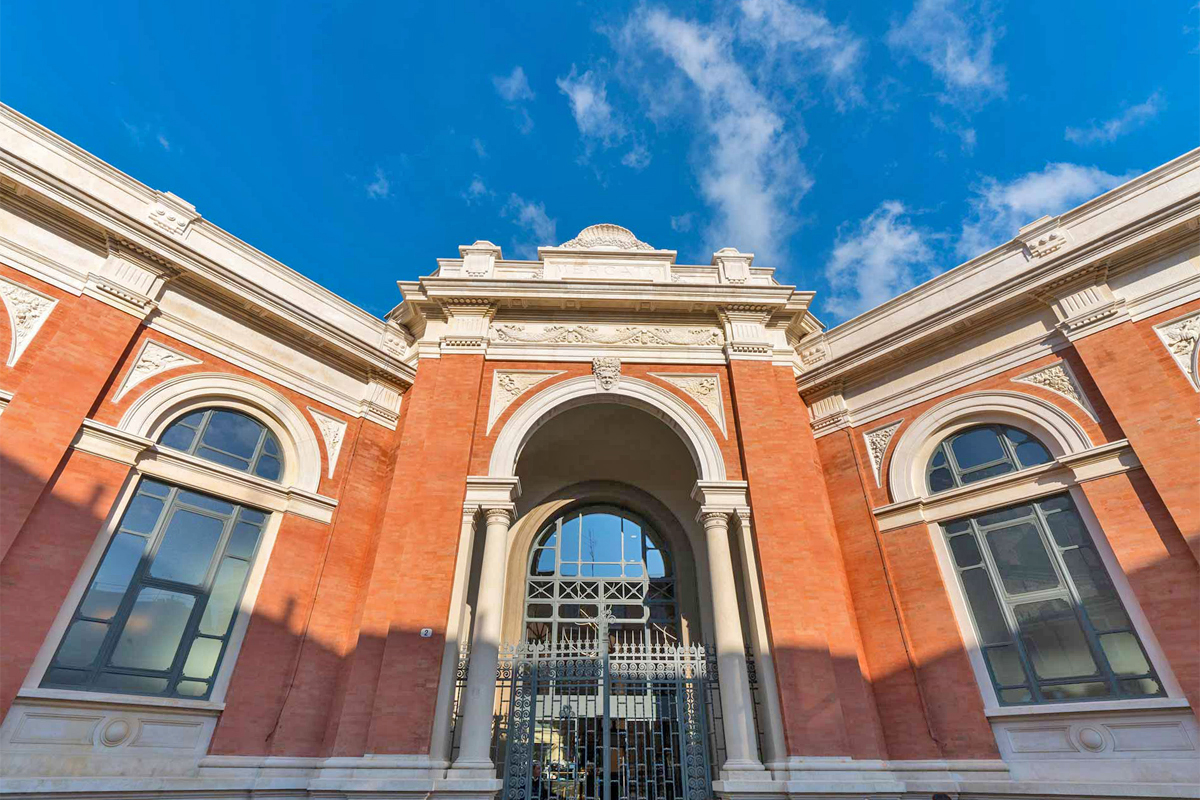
[
  {"x": 27, "y": 311},
  {"x": 877, "y": 442},
  {"x": 153, "y": 359},
  {"x": 1059, "y": 378},
  {"x": 1181, "y": 337}
]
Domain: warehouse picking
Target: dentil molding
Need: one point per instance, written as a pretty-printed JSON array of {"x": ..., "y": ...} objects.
[
  {"x": 333, "y": 432},
  {"x": 509, "y": 384},
  {"x": 877, "y": 442},
  {"x": 704, "y": 389},
  {"x": 27, "y": 310},
  {"x": 1058, "y": 378},
  {"x": 1182, "y": 340},
  {"x": 154, "y": 358}
]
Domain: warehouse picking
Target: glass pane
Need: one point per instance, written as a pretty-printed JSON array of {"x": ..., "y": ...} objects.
[
  {"x": 268, "y": 467},
  {"x": 601, "y": 538},
  {"x": 984, "y": 608},
  {"x": 1022, "y": 559},
  {"x": 1054, "y": 639},
  {"x": 81, "y": 644},
  {"x": 633, "y": 570},
  {"x": 966, "y": 552},
  {"x": 1074, "y": 691},
  {"x": 1100, "y": 600},
  {"x": 570, "y": 541},
  {"x": 112, "y": 579},
  {"x": 1006, "y": 665},
  {"x": 187, "y": 548},
  {"x": 155, "y": 488},
  {"x": 1028, "y": 449},
  {"x": 1142, "y": 687},
  {"x": 191, "y": 689},
  {"x": 605, "y": 570},
  {"x": 193, "y": 419},
  {"x": 256, "y": 517},
  {"x": 1067, "y": 527},
  {"x": 655, "y": 566},
  {"x": 223, "y": 459},
  {"x": 233, "y": 433},
  {"x": 939, "y": 458},
  {"x": 940, "y": 480},
  {"x": 222, "y": 602},
  {"x": 975, "y": 447},
  {"x": 141, "y": 684},
  {"x": 539, "y": 611},
  {"x": 142, "y": 513},
  {"x": 151, "y": 634},
  {"x": 206, "y": 502},
  {"x": 543, "y": 562},
  {"x": 271, "y": 444},
  {"x": 568, "y": 570},
  {"x": 178, "y": 437},
  {"x": 1004, "y": 515},
  {"x": 1015, "y": 696},
  {"x": 202, "y": 658},
  {"x": 1124, "y": 654},
  {"x": 243, "y": 540},
  {"x": 986, "y": 472},
  {"x": 958, "y": 526},
  {"x": 65, "y": 677}
]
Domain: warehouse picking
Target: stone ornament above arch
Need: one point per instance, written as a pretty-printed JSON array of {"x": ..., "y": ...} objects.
[
  {"x": 27, "y": 311},
  {"x": 704, "y": 388},
  {"x": 1060, "y": 379},
  {"x": 152, "y": 359},
  {"x": 1181, "y": 337},
  {"x": 1061, "y": 434},
  {"x": 151, "y": 413},
  {"x": 696, "y": 434}
]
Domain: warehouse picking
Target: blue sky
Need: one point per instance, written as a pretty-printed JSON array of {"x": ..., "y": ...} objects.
[{"x": 860, "y": 148}]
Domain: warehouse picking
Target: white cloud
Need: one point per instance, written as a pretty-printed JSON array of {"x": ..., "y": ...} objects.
[
  {"x": 957, "y": 44},
  {"x": 966, "y": 135},
  {"x": 380, "y": 187},
  {"x": 638, "y": 156},
  {"x": 140, "y": 133},
  {"x": 589, "y": 105},
  {"x": 1108, "y": 131},
  {"x": 478, "y": 147},
  {"x": 872, "y": 262},
  {"x": 532, "y": 218},
  {"x": 784, "y": 28},
  {"x": 162, "y": 140},
  {"x": 513, "y": 87},
  {"x": 682, "y": 223},
  {"x": 476, "y": 191},
  {"x": 746, "y": 160},
  {"x": 999, "y": 209}
]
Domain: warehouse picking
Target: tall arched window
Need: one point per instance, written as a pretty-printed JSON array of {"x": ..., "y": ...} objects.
[
  {"x": 1048, "y": 618},
  {"x": 597, "y": 559},
  {"x": 157, "y": 615}
]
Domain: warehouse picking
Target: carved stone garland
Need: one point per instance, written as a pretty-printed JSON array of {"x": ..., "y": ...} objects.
[
  {"x": 1057, "y": 378},
  {"x": 333, "y": 431},
  {"x": 27, "y": 310},
  {"x": 877, "y": 442},
  {"x": 704, "y": 389},
  {"x": 508, "y": 385},
  {"x": 1182, "y": 339},
  {"x": 628, "y": 335},
  {"x": 607, "y": 370},
  {"x": 154, "y": 358}
]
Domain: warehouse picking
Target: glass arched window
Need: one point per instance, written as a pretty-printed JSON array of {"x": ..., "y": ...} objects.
[
  {"x": 229, "y": 438},
  {"x": 981, "y": 452},
  {"x": 598, "y": 559},
  {"x": 1048, "y": 619}
]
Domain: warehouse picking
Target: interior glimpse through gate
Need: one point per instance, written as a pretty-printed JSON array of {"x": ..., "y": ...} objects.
[{"x": 605, "y": 719}]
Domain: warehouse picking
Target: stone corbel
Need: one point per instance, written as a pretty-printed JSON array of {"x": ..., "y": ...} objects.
[
  {"x": 171, "y": 213},
  {"x": 131, "y": 279},
  {"x": 813, "y": 350},
  {"x": 827, "y": 408},
  {"x": 732, "y": 266},
  {"x": 746, "y": 332},
  {"x": 1043, "y": 237},
  {"x": 468, "y": 321},
  {"x": 1084, "y": 302},
  {"x": 381, "y": 401}
]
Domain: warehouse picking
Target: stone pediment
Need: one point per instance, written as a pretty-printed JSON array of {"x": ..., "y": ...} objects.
[
  {"x": 607, "y": 252},
  {"x": 605, "y": 237}
]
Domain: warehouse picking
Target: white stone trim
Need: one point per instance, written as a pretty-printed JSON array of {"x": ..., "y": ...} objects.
[
  {"x": 509, "y": 384},
  {"x": 154, "y": 358},
  {"x": 1059, "y": 378},
  {"x": 877, "y": 442},
  {"x": 151, "y": 413},
  {"x": 696, "y": 434},
  {"x": 5, "y": 398},
  {"x": 333, "y": 433},
  {"x": 1054, "y": 427},
  {"x": 27, "y": 311},
  {"x": 704, "y": 388},
  {"x": 1181, "y": 337}
]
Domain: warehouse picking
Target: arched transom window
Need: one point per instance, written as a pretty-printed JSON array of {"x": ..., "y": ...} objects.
[
  {"x": 1048, "y": 618},
  {"x": 595, "y": 560},
  {"x": 228, "y": 438}
]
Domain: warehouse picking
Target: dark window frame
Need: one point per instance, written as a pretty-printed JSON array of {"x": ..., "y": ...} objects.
[
  {"x": 957, "y": 474},
  {"x": 266, "y": 437}
]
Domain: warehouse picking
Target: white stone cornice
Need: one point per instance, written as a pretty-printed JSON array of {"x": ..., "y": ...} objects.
[
  {"x": 1044, "y": 236},
  {"x": 1060, "y": 379},
  {"x": 131, "y": 279},
  {"x": 1181, "y": 337},
  {"x": 171, "y": 213},
  {"x": 488, "y": 492},
  {"x": 509, "y": 384},
  {"x": 27, "y": 310},
  {"x": 333, "y": 433},
  {"x": 153, "y": 359},
  {"x": 746, "y": 334},
  {"x": 381, "y": 404},
  {"x": 704, "y": 388},
  {"x": 467, "y": 323}
]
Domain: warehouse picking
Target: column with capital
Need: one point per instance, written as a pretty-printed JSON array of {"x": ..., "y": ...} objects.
[{"x": 479, "y": 700}]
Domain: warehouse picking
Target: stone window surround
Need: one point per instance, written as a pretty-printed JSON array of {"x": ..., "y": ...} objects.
[{"x": 1076, "y": 461}]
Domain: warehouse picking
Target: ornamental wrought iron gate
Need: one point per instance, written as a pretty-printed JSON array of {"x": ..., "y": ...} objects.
[{"x": 605, "y": 719}]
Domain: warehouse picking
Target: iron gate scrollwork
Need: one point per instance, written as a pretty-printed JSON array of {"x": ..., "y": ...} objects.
[{"x": 605, "y": 719}]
